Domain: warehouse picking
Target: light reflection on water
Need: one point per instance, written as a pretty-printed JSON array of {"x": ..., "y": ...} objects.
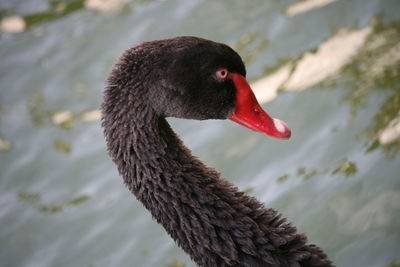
[{"x": 62, "y": 202}]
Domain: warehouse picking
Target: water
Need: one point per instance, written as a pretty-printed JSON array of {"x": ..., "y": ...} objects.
[{"x": 337, "y": 179}]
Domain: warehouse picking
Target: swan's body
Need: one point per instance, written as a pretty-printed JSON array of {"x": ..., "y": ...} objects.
[{"x": 208, "y": 217}]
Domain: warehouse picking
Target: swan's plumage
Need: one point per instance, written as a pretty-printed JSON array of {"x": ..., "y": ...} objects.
[{"x": 209, "y": 218}]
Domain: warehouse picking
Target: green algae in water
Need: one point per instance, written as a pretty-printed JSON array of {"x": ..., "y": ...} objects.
[
  {"x": 301, "y": 171},
  {"x": 51, "y": 209},
  {"x": 280, "y": 63},
  {"x": 35, "y": 198},
  {"x": 145, "y": 252},
  {"x": 78, "y": 200},
  {"x": 62, "y": 146},
  {"x": 5, "y": 145},
  {"x": 56, "y": 208},
  {"x": 58, "y": 10},
  {"x": 42, "y": 116},
  {"x": 377, "y": 67},
  {"x": 176, "y": 263},
  {"x": 393, "y": 264},
  {"x": 307, "y": 174},
  {"x": 346, "y": 168},
  {"x": 65, "y": 119},
  {"x": 250, "y": 46},
  {"x": 29, "y": 196},
  {"x": 310, "y": 174},
  {"x": 388, "y": 112},
  {"x": 283, "y": 178},
  {"x": 39, "y": 115}
]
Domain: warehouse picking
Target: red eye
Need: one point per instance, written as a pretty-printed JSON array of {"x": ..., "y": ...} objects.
[{"x": 222, "y": 74}]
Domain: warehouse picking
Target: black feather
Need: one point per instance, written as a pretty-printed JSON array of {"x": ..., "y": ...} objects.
[{"x": 208, "y": 217}]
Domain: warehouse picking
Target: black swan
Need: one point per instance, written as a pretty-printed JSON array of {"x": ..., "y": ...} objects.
[{"x": 209, "y": 218}]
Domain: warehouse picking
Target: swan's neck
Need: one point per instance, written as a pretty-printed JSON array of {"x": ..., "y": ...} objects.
[
  {"x": 209, "y": 218},
  {"x": 173, "y": 185}
]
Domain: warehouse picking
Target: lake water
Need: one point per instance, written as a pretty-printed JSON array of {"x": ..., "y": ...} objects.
[{"x": 330, "y": 69}]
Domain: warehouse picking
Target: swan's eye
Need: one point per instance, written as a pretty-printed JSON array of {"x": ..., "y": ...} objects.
[{"x": 222, "y": 74}]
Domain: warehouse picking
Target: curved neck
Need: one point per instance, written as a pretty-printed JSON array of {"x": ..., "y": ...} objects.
[
  {"x": 145, "y": 148},
  {"x": 208, "y": 217}
]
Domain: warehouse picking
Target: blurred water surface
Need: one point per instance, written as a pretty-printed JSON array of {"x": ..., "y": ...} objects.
[{"x": 337, "y": 179}]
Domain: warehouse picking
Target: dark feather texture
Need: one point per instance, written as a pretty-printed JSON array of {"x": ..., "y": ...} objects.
[{"x": 211, "y": 220}]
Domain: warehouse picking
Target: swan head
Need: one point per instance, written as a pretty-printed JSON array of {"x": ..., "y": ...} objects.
[{"x": 194, "y": 78}]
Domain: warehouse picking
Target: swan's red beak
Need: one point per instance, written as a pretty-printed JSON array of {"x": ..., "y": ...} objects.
[{"x": 249, "y": 113}]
